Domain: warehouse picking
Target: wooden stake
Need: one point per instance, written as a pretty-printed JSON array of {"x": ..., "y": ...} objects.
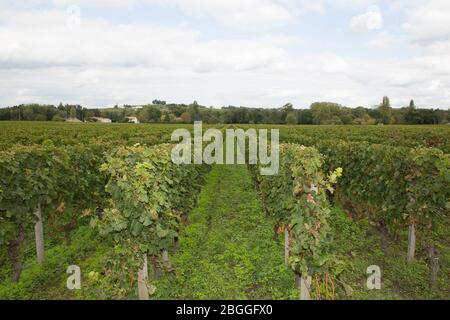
[
  {"x": 434, "y": 266},
  {"x": 286, "y": 246},
  {"x": 143, "y": 281},
  {"x": 165, "y": 259},
  {"x": 14, "y": 254},
  {"x": 39, "y": 233},
  {"x": 411, "y": 242},
  {"x": 196, "y": 201},
  {"x": 304, "y": 285}
]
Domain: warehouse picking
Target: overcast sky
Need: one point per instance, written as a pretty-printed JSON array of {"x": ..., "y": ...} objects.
[{"x": 225, "y": 52}]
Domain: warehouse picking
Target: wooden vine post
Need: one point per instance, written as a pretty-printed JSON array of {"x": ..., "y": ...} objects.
[
  {"x": 286, "y": 246},
  {"x": 143, "y": 280},
  {"x": 165, "y": 259},
  {"x": 196, "y": 201},
  {"x": 411, "y": 242},
  {"x": 39, "y": 234},
  {"x": 433, "y": 265},
  {"x": 14, "y": 254},
  {"x": 304, "y": 286}
]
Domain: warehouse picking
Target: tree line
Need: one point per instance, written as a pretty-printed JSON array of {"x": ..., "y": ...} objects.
[{"x": 319, "y": 113}]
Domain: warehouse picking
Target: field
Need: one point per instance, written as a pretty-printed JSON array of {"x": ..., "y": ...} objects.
[{"x": 107, "y": 199}]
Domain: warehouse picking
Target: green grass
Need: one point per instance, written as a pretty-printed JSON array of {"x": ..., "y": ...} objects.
[
  {"x": 359, "y": 244},
  {"x": 228, "y": 251},
  {"x": 48, "y": 281}
]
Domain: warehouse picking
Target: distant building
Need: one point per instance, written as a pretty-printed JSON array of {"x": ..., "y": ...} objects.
[
  {"x": 73, "y": 120},
  {"x": 132, "y": 119},
  {"x": 99, "y": 119},
  {"x": 135, "y": 107}
]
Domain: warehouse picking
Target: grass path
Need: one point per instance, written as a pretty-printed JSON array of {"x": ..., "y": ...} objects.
[{"x": 227, "y": 251}]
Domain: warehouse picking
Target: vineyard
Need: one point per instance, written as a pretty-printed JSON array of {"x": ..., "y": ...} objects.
[{"x": 107, "y": 199}]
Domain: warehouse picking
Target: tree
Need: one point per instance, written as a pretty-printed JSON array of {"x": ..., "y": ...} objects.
[
  {"x": 325, "y": 112},
  {"x": 255, "y": 116},
  {"x": 288, "y": 107},
  {"x": 150, "y": 114},
  {"x": 194, "y": 111},
  {"x": 318, "y": 113},
  {"x": 273, "y": 116},
  {"x": 291, "y": 118},
  {"x": 333, "y": 121},
  {"x": 166, "y": 118},
  {"x": 304, "y": 116},
  {"x": 346, "y": 118},
  {"x": 359, "y": 112},
  {"x": 364, "y": 120},
  {"x": 159, "y": 102},
  {"x": 386, "y": 102},
  {"x": 73, "y": 112},
  {"x": 58, "y": 117},
  {"x": 214, "y": 118},
  {"x": 385, "y": 111},
  {"x": 186, "y": 117}
]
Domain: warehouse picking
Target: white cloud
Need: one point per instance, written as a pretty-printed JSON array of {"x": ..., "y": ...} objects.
[
  {"x": 385, "y": 40},
  {"x": 372, "y": 19},
  {"x": 104, "y": 62},
  {"x": 401, "y": 79},
  {"x": 435, "y": 85},
  {"x": 101, "y": 44},
  {"x": 239, "y": 13},
  {"x": 260, "y": 14},
  {"x": 95, "y": 43},
  {"x": 232, "y": 13},
  {"x": 338, "y": 95},
  {"x": 335, "y": 64},
  {"x": 352, "y": 3},
  {"x": 429, "y": 21}
]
